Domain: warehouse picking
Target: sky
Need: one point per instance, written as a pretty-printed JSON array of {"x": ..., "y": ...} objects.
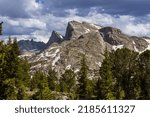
[{"x": 38, "y": 18}]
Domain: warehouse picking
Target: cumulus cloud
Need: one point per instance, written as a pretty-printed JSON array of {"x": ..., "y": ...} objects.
[
  {"x": 131, "y": 25},
  {"x": 40, "y": 17},
  {"x": 19, "y": 8},
  {"x": 122, "y": 7}
]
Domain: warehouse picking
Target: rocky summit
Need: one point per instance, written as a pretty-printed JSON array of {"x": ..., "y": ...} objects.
[{"x": 82, "y": 38}]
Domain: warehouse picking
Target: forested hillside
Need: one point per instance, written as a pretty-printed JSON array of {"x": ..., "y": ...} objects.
[{"x": 124, "y": 74}]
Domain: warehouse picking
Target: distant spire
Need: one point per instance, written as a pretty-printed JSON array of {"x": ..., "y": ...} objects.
[{"x": 1, "y": 28}]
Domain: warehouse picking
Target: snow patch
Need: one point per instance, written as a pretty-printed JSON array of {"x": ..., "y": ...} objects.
[
  {"x": 98, "y": 63},
  {"x": 87, "y": 30},
  {"x": 61, "y": 36},
  {"x": 117, "y": 47},
  {"x": 52, "y": 48},
  {"x": 41, "y": 55},
  {"x": 47, "y": 54},
  {"x": 36, "y": 66},
  {"x": 57, "y": 51},
  {"x": 135, "y": 48},
  {"x": 148, "y": 41},
  {"x": 68, "y": 67},
  {"x": 96, "y": 26},
  {"x": 55, "y": 60},
  {"x": 77, "y": 70}
]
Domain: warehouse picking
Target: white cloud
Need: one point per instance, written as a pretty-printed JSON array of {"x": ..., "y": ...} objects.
[
  {"x": 138, "y": 29},
  {"x": 36, "y": 23},
  {"x": 72, "y": 12},
  {"x": 128, "y": 24},
  {"x": 32, "y": 23}
]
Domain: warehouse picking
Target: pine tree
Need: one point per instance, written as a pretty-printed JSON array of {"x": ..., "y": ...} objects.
[
  {"x": 52, "y": 80},
  {"x": 10, "y": 91},
  {"x": 105, "y": 84},
  {"x": 68, "y": 83},
  {"x": 83, "y": 91},
  {"x": 124, "y": 71},
  {"x": 1, "y": 28},
  {"x": 23, "y": 72},
  {"x": 21, "y": 91},
  {"x": 2, "y": 60},
  {"x": 13, "y": 72},
  {"x": 144, "y": 74},
  {"x": 43, "y": 91},
  {"x": 12, "y": 59}
]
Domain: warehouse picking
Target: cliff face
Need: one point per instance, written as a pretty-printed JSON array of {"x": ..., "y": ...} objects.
[
  {"x": 76, "y": 29},
  {"x": 115, "y": 37},
  {"x": 55, "y": 38},
  {"x": 30, "y": 46},
  {"x": 83, "y": 38}
]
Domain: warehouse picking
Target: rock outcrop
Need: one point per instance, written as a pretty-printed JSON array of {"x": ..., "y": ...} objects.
[
  {"x": 115, "y": 38},
  {"x": 30, "y": 46},
  {"x": 84, "y": 39},
  {"x": 76, "y": 29},
  {"x": 55, "y": 38}
]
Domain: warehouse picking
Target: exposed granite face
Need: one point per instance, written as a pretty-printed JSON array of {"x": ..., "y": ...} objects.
[
  {"x": 83, "y": 38},
  {"x": 30, "y": 46},
  {"x": 55, "y": 38},
  {"x": 115, "y": 37},
  {"x": 76, "y": 29},
  {"x": 69, "y": 53}
]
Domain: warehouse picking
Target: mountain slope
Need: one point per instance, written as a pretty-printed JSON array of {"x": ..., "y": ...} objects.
[
  {"x": 88, "y": 39},
  {"x": 30, "y": 46}
]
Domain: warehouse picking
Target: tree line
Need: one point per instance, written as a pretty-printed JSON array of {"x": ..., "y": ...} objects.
[{"x": 123, "y": 75}]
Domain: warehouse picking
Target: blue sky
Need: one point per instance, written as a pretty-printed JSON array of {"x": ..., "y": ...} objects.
[{"x": 40, "y": 17}]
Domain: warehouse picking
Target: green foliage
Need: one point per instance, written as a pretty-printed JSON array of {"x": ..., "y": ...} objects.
[
  {"x": 1, "y": 28},
  {"x": 105, "y": 84},
  {"x": 14, "y": 72},
  {"x": 23, "y": 72},
  {"x": 21, "y": 91},
  {"x": 124, "y": 71},
  {"x": 10, "y": 92},
  {"x": 52, "y": 80},
  {"x": 83, "y": 84},
  {"x": 144, "y": 74},
  {"x": 43, "y": 93},
  {"x": 68, "y": 83},
  {"x": 68, "y": 80},
  {"x": 124, "y": 74}
]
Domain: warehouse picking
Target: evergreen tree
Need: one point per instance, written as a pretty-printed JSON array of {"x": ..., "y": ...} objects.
[
  {"x": 2, "y": 60},
  {"x": 124, "y": 71},
  {"x": 83, "y": 91},
  {"x": 21, "y": 91},
  {"x": 23, "y": 72},
  {"x": 1, "y": 28},
  {"x": 12, "y": 59},
  {"x": 13, "y": 71},
  {"x": 144, "y": 74},
  {"x": 43, "y": 91},
  {"x": 68, "y": 83},
  {"x": 105, "y": 85},
  {"x": 10, "y": 91},
  {"x": 52, "y": 80}
]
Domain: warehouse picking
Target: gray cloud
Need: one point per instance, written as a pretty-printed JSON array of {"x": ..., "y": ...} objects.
[
  {"x": 123, "y": 7},
  {"x": 40, "y": 17},
  {"x": 18, "y": 8}
]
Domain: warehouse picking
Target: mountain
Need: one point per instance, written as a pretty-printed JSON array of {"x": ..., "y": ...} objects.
[
  {"x": 76, "y": 29},
  {"x": 55, "y": 38},
  {"x": 30, "y": 46},
  {"x": 116, "y": 38},
  {"x": 87, "y": 39}
]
